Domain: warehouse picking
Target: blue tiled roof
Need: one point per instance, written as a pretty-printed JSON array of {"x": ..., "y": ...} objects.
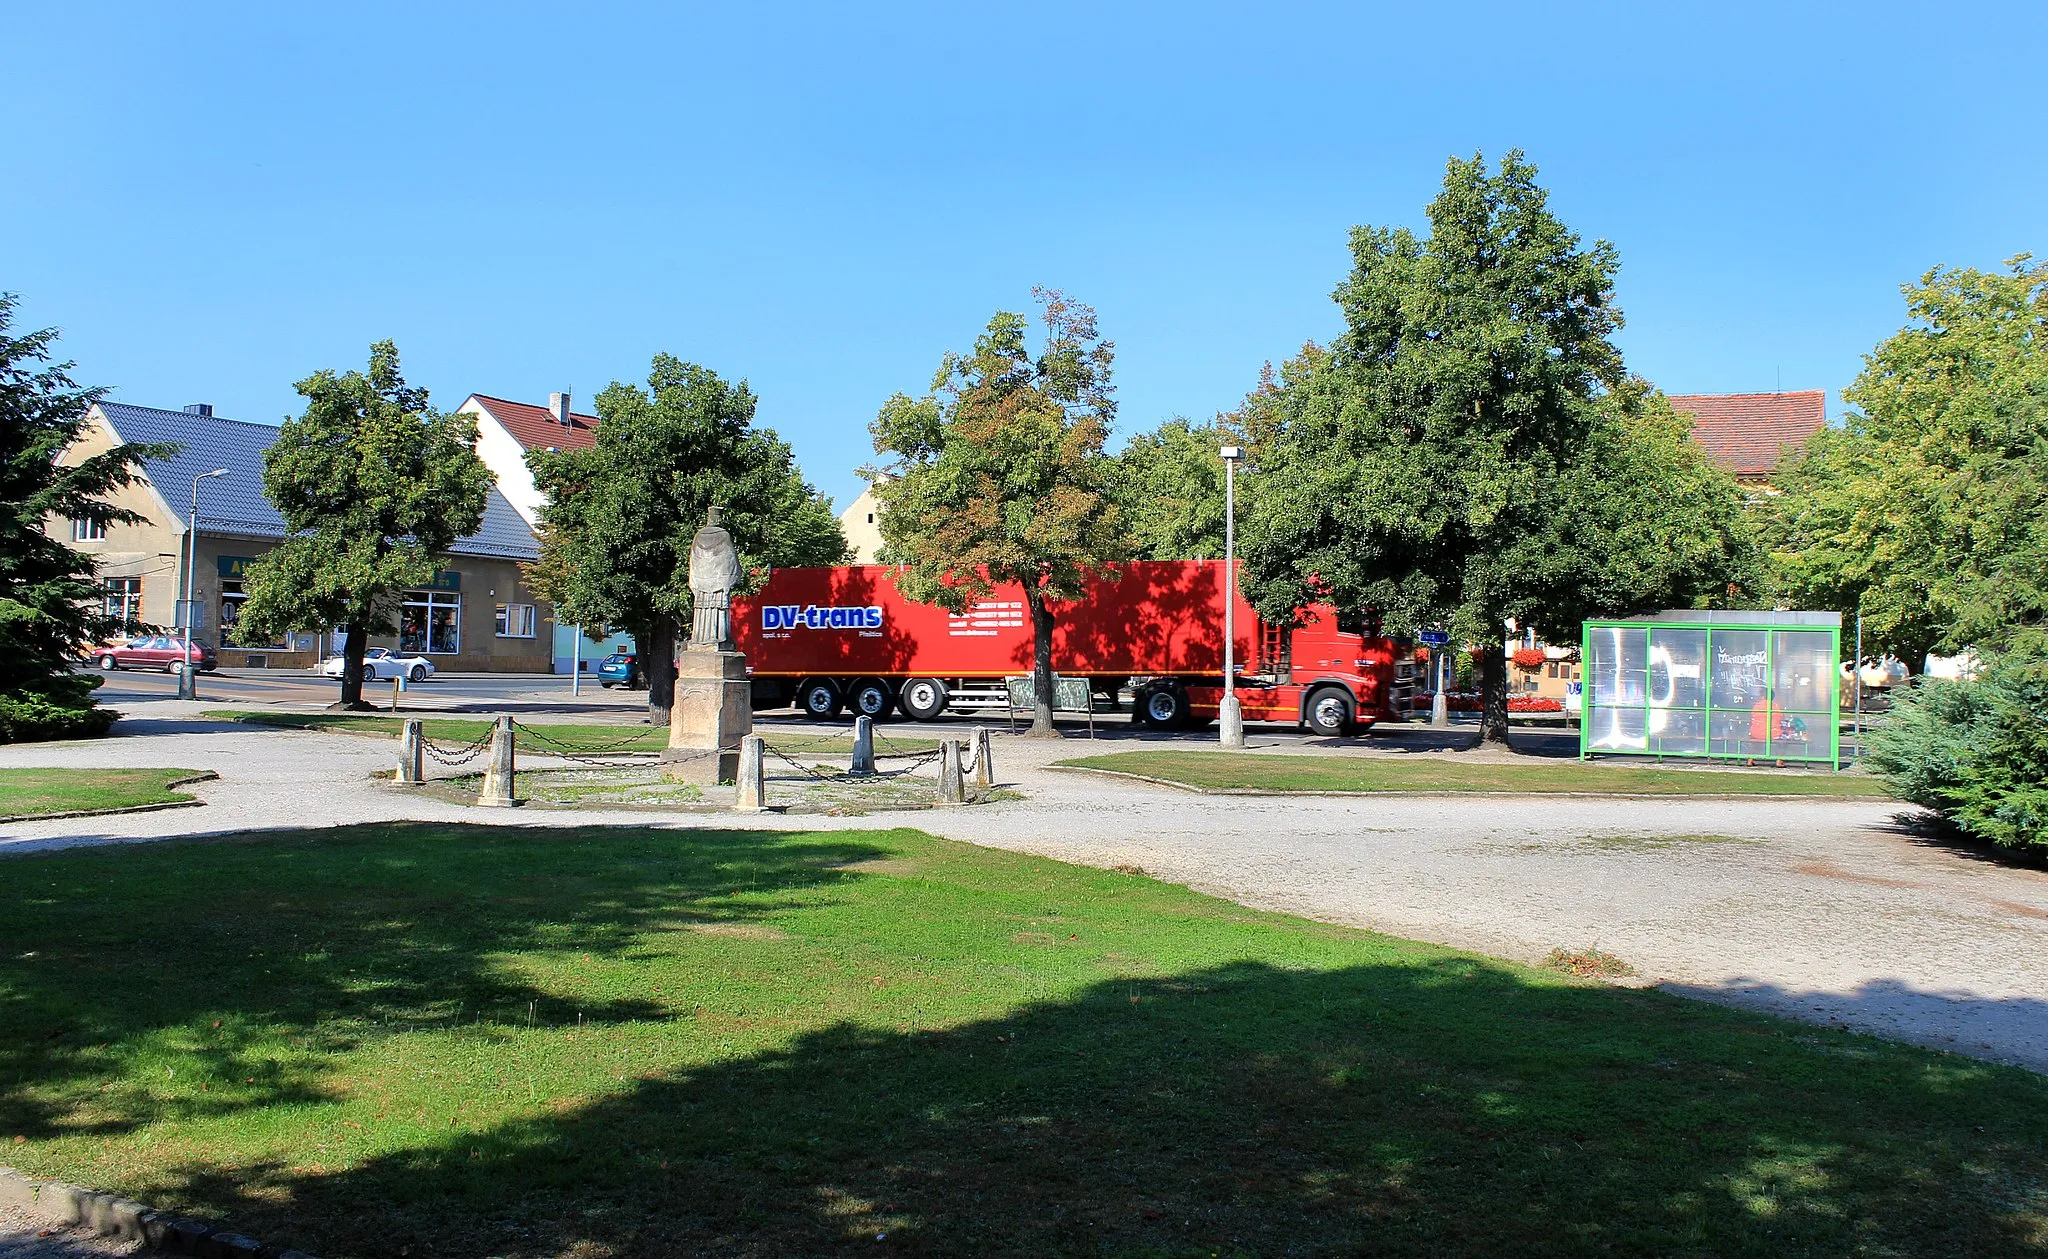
[{"x": 236, "y": 503}]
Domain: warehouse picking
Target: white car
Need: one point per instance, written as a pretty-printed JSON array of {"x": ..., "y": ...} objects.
[{"x": 381, "y": 664}]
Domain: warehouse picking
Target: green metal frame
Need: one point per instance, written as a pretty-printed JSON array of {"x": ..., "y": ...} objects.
[{"x": 1770, "y": 632}]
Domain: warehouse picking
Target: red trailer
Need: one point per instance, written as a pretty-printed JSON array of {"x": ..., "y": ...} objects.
[{"x": 830, "y": 639}]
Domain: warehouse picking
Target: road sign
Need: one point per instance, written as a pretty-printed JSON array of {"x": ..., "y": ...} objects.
[{"x": 1433, "y": 638}]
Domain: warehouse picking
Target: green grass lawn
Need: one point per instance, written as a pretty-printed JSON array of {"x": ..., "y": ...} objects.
[
  {"x": 517, "y": 1041},
  {"x": 28, "y": 792},
  {"x": 1434, "y": 773},
  {"x": 554, "y": 735}
]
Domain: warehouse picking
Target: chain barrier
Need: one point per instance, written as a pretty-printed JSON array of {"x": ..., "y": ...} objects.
[
  {"x": 452, "y": 757},
  {"x": 551, "y": 746}
]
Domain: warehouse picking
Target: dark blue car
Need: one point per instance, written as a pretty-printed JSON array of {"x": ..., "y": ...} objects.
[{"x": 621, "y": 668}]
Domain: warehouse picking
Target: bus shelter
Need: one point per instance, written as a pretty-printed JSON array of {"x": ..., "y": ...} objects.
[{"x": 1725, "y": 685}]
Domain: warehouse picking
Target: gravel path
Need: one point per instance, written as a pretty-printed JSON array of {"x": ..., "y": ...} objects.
[
  {"x": 24, "y": 1237},
  {"x": 1828, "y": 911}
]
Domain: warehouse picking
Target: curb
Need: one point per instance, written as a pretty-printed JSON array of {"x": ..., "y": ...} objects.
[
  {"x": 1281, "y": 793},
  {"x": 188, "y": 780},
  {"x": 61, "y": 1205}
]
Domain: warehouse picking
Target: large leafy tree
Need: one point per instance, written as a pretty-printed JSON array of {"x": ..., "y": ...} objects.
[
  {"x": 374, "y": 485},
  {"x": 616, "y": 530},
  {"x": 50, "y": 608},
  {"x": 1454, "y": 457},
  {"x": 1168, "y": 484},
  {"x": 1927, "y": 513},
  {"x": 998, "y": 474}
]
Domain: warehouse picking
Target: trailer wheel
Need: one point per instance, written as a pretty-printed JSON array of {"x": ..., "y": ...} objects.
[
  {"x": 1329, "y": 712},
  {"x": 818, "y": 699},
  {"x": 923, "y": 699},
  {"x": 871, "y": 698},
  {"x": 1164, "y": 706}
]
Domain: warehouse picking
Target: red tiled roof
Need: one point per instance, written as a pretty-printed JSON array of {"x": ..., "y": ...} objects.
[
  {"x": 1746, "y": 433},
  {"x": 533, "y": 426}
]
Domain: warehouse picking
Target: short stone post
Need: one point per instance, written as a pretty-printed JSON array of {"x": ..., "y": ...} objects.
[
  {"x": 984, "y": 759},
  {"x": 752, "y": 796},
  {"x": 498, "y": 779},
  {"x": 863, "y": 746},
  {"x": 951, "y": 790},
  {"x": 411, "y": 753}
]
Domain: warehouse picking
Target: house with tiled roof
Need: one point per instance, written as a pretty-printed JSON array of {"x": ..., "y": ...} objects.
[
  {"x": 505, "y": 431},
  {"x": 478, "y": 614},
  {"x": 1752, "y": 434}
]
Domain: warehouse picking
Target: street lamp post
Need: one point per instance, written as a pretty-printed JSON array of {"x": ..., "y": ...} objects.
[
  {"x": 188, "y": 678},
  {"x": 1232, "y": 715}
]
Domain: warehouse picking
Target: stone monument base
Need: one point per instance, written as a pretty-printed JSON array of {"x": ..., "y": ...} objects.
[{"x": 713, "y": 711}]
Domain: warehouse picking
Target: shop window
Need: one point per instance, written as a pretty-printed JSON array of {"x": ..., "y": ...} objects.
[
  {"x": 431, "y": 622},
  {"x": 86, "y": 529},
  {"x": 515, "y": 620},
  {"x": 123, "y": 597},
  {"x": 232, "y": 596}
]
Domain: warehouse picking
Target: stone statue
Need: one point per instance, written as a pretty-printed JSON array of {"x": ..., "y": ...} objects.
[{"x": 714, "y": 571}]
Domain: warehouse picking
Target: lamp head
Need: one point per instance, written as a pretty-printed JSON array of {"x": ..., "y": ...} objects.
[{"x": 1232, "y": 453}]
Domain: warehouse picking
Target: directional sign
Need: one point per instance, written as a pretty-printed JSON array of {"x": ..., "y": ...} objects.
[{"x": 1433, "y": 638}]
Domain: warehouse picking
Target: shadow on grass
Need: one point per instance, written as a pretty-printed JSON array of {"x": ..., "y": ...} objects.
[
  {"x": 172, "y": 954},
  {"x": 1341, "y": 1094},
  {"x": 1448, "y": 1109}
]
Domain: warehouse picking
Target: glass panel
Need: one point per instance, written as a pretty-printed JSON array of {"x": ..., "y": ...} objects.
[
  {"x": 1804, "y": 668},
  {"x": 1741, "y": 674},
  {"x": 1616, "y": 729},
  {"x": 1615, "y": 664},
  {"x": 1677, "y": 670},
  {"x": 412, "y": 628},
  {"x": 1678, "y": 731},
  {"x": 1738, "y": 732},
  {"x": 444, "y": 636}
]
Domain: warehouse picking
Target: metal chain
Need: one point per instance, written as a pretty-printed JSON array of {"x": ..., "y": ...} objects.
[
  {"x": 556, "y": 747},
  {"x": 451, "y": 757}
]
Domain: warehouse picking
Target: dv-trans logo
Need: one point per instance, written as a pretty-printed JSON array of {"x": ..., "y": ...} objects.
[{"x": 781, "y": 616}]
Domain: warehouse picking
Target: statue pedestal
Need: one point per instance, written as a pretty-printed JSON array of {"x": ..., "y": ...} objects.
[{"x": 714, "y": 709}]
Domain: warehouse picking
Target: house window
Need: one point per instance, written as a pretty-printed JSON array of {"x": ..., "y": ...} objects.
[
  {"x": 86, "y": 529},
  {"x": 124, "y": 598},
  {"x": 515, "y": 620},
  {"x": 431, "y": 621},
  {"x": 871, "y": 517}
]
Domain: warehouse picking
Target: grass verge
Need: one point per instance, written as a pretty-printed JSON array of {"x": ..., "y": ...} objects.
[
  {"x": 1374, "y": 773},
  {"x": 586, "y": 737},
  {"x": 34, "y": 792},
  {"x": 636, "y": 1042}
]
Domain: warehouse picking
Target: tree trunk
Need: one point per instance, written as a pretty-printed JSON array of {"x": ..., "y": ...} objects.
[
  {"x": 658, "y": 660},
  {"x": 1493, "y": 689},
  {"x": 354, "y": 645},
  {"x": 1041, "y": 666}
]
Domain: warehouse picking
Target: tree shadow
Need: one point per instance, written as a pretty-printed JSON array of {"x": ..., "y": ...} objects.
[
  {"x": 1926, "y": 829},
  {"x": 1240, "y": 1109},
  {"x": 375, "y": 929}
]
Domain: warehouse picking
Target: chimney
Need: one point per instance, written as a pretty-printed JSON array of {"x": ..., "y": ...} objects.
[
  {"x": 199, "y": 408},
  {"x": 558, "y": 405}
]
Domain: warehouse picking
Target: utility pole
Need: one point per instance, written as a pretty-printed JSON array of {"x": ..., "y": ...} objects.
[
  {"x": 188, "y": 677},
  {"x": 1232, "y": 723}
]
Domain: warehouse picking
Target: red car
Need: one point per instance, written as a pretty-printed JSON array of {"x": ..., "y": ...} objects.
[{"x": 161, "y": 652}]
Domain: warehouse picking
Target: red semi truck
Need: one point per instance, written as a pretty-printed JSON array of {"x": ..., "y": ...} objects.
[{"x": 831, "y": 639}]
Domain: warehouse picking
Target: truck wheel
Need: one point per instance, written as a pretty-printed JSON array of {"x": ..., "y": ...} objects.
[
  {"x": 1329, "y": 713},
  {"x": 818, "y": 700},
  {"x": 923, "y": 699},
  {"x": 871, "y": 699},
  {"x": 1164, "y": 707}
]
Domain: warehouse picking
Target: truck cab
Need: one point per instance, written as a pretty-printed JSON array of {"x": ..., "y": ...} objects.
[{"x": 1333, "y": 674}]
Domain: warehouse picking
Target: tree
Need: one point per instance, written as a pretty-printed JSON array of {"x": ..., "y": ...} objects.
[
  {"x": 374, "y": 485},
  {"x": 615, "y": 533},
  {"x": 1928, "y": 511},
  {"x": 50, "y": 608},
  {"x": 1453, "y": 458},
  {"x": 1168, "y": 485},
  {"x": 1975, "y": 751},
  {"x": 998, "y": 475}
]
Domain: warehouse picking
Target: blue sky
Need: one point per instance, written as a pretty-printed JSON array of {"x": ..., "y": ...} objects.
[{"x": 213, "y": 201}]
